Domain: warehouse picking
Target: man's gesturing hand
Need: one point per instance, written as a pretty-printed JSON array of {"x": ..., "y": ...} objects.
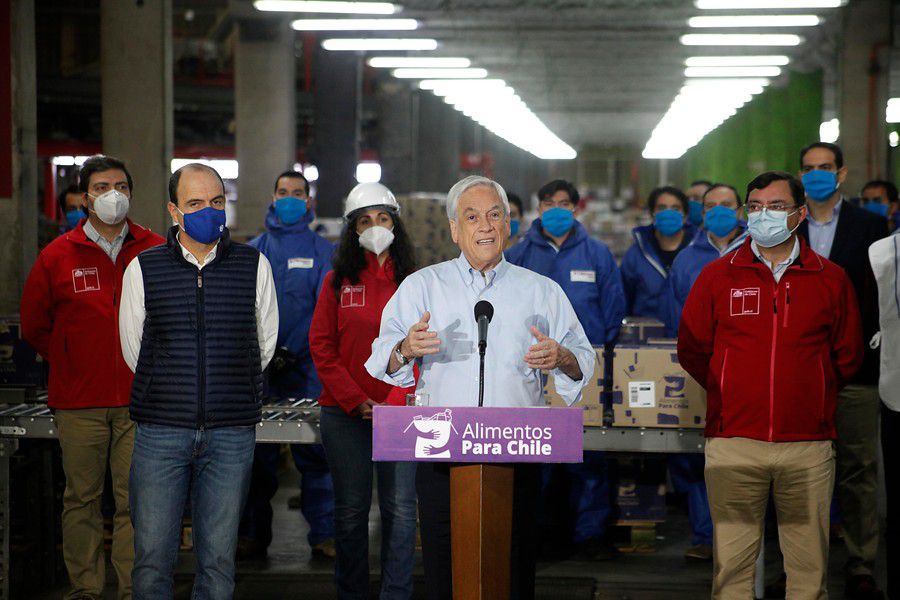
[
  {"x": 419, "y": 341},
  {"x": 545, "y": 354}
]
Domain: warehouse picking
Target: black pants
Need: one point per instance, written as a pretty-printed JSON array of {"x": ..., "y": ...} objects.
[
  {"x": 890, "y": 447},
  {"x": 433, "y": 489}
]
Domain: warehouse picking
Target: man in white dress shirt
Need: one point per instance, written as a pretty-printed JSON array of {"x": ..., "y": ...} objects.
[
  {"x": 430, "y": 321},
  {"x": 198, "y": 324}
]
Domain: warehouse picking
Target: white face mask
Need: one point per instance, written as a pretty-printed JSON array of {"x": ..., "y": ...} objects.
[
  {"x": 376, "y": 239},
  {"x": 111, "y": 207}
]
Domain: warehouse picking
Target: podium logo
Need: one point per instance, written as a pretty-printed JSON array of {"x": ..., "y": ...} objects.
[{"x": 433, "y": 434}]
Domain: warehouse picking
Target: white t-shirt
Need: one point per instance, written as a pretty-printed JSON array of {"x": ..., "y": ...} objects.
[{"x": 885, "y": 258}]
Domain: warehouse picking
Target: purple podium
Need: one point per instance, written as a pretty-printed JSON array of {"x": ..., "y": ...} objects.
[{"x": 482, "y": 443}]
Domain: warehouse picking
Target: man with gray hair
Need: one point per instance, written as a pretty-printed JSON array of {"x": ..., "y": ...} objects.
[{"x": 429, "y": 321}]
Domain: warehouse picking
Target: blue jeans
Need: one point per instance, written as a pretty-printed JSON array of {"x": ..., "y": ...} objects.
[
  {"x": 168, "y": 463},
  {"x": 316, "y": 493},
  {"x": 348, "y": 443},
  {"x": 687, "y": 477}
]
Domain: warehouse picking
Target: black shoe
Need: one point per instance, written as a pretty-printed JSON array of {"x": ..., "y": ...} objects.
[
  {"x": 862, "y": 587},
  {"x": 248, "y": 549},
  {"x": 778, "y": 588}
]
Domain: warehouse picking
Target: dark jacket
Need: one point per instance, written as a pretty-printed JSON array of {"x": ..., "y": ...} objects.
[
  {"x": 199, "y": 364},
  {"x": 857, "y": 229}
]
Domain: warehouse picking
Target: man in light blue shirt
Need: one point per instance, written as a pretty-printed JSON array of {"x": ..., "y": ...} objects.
[{"x": 430, "y": 320}]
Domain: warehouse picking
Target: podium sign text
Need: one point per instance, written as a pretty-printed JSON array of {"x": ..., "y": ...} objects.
[{"x": 477, "y": 435}]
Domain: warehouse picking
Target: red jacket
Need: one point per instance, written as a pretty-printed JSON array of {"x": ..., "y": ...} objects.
[
  {"x": 70, "y": 315},
  {"x": 341, "y": 335},
  {"x": 771, "y": 356}
]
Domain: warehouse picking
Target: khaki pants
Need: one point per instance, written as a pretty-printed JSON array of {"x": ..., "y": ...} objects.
[
  {"x": 89, "y": 437},
  {"x": 739, "y": 472},
  {"x": 857, "y": 474}
]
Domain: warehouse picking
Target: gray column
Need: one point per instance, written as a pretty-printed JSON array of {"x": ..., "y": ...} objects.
[
  {"x": 18, "y": 161},
  {"x": 265, "y": 115},
  {"x": 136, "y": 99},
  {"x": 397, "y": 123},
  {"x": 438, "y": 144},
  {"x": 867, "y": 29},
  {"x": 337, "y": 101}
]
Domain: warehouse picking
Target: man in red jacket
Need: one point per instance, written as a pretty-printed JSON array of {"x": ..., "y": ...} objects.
[
  {"x": 772, "y": 372},
  {"x": 69, "y": 315}
]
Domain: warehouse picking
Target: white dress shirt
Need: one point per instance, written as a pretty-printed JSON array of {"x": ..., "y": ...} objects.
[
  {"x": 779, "y": 269},
  {"x": 132, "y": 311},
  {"x": 112, "y": 248},
  {"x": 521, "y": 298}
]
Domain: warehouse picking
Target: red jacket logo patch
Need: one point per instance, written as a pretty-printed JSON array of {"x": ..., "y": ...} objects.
[
  {"x": 353, "y": 296},
  {"x": 744, "y": 301},
  {"x": 86, "y": 279}
]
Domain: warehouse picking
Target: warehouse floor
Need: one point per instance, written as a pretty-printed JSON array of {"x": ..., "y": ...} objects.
[{"x": 288, "y": 573}]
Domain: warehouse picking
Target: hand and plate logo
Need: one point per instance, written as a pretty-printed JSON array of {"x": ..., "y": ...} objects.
[{"x": 433, "y": 434}]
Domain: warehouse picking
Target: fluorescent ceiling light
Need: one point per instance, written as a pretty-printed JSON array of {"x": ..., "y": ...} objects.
[
  {"x": 368, "y": 172},
  {"x": 732, "y": 72},
  {"x": 328, "y": 6},
  {"x": 723, "y": 83},
  {"x": 755, "y": 21},
  {"x": 737, "y": 61},
  {"x": 227, "y": 169},
  {"x": 424, "y": 62},
  {"x": 355, "y": 24},
  {"x": 384, "y": 44},
  {"x": 697, "y": 110},
  {"x": 497, "y": 108},
  {"x": 741, "y": 39},
  {"x": 892, "y": 114},
  {"x": 439, "y": 73},
  {"x": 758, "y": 4},
  {"x": 894, "y": 139}
]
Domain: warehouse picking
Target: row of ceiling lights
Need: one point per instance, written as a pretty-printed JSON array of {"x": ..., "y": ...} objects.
[
  {"x": 718, "y": 86},
  {"x": 489, "y": 102}
]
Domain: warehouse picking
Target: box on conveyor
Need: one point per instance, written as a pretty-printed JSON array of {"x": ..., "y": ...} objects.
[
  {"x": 590, "y": 396},
  {"x": 650, "y": 389}
]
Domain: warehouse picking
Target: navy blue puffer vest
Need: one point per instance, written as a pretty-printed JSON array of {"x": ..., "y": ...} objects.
[{"x": 199, "y": 364}]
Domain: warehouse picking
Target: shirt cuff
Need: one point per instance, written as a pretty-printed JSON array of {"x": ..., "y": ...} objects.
[
  {"x": 569, "y": 389},
  {"x": 377, "y": 365}
]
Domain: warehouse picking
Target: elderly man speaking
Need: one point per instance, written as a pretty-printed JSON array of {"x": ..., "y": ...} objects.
[{"x": 430, "y": 320}]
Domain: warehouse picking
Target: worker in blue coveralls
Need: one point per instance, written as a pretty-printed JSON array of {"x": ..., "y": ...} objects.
[
  {"x": 645, "y": 266},
  {"x": 724, "y": 230},
  {"x": 557, "y": 246},
  {"x": 300, "y": 258}
]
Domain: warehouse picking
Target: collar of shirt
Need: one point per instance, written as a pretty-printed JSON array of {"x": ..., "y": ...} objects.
[
  {"x": 795, "y": 253},
  {"x": 193, "y": 259},
  {"x": 94, "y": 235},
  {"x": 835, "y": 213},
  {"x": 475, "y": 278}
]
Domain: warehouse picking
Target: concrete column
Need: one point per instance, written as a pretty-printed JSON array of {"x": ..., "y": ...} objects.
[
  {"x": 438, "y": 144},
  {"x": 18, "y": 153},
  {"x": 396, "y": 133},
  {"x": 337, "y": 103},
  {"x": 136, "y": 99},
  {"x": 265, "y": 110},
  {"x": 863, "y": 72}
]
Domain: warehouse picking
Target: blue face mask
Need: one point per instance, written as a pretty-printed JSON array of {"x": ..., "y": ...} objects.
[
  {"x": 513, "y": 228},
  {"x": 290, "y": 209},
  {"x": 73, "y": 217},
  {"x": 895, "y": 219},
  {"x": 669, "y": 221},
  {"x": 876, "y": 207},
  {"x": 820, "y": 185},
  {"x": 720, "y": 220},
  {"x": 695, "y": 212},
  {"x": 557, "y": 221},
  {"x": 768, "y": 228},
  {"x": 205, "y": 225}
]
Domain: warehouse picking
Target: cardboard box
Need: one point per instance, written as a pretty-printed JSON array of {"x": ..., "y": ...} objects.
[
  {"x": 650, "y": 389},
  {"x": 590, "y": 396}
]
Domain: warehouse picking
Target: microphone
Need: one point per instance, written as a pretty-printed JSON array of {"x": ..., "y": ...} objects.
[{"x": 484, "y": 312}]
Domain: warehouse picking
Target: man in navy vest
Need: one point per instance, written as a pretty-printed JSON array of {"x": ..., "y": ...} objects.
[{"x": 198, "y": 324}]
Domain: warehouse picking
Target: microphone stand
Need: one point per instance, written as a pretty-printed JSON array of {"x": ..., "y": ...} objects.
[{"x": 482, "y": 346}]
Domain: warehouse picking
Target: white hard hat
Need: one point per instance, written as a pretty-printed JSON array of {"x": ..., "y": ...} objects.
[{"x": 365, "y": 195}]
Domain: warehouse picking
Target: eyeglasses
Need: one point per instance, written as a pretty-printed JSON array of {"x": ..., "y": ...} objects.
[{"x": 753, "y": 206}]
